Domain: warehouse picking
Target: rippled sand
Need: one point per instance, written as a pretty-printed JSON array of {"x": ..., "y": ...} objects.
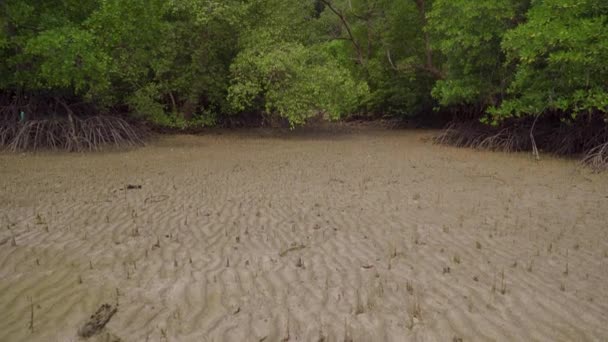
[{"x": 374, "y": 236}]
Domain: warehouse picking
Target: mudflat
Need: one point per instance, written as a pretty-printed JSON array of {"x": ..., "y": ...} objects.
[{"x": 371, "y": 235}]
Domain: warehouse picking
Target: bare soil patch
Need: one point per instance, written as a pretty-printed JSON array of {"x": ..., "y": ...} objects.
[{"x": 366, "y": 235}]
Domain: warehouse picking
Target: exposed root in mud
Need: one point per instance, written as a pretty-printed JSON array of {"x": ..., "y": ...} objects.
[
  {"x": 587, "y": 136},
  {"x": 476, "y": 135},
  {"x": 597, "y": 158},
  {"x": 56, "y": 123},
  {"x": 72, "y": 134}
]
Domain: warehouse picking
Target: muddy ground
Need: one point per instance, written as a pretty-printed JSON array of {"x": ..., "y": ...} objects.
[{"x": 372, "y": 235}]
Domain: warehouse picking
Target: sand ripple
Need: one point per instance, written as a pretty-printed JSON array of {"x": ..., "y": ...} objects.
[{"x": 370, "y": 237}]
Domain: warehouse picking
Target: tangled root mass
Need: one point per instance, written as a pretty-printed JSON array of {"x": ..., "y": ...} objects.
[
  {"x": 586, "y": 137},
  {"x": 65, "y": 131}
]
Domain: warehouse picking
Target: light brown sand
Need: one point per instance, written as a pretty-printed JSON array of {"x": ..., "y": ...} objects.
[{"x": 376, "y": 236}]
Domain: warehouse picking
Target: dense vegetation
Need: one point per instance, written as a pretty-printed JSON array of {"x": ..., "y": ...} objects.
[{"x": 510, "y": 66}]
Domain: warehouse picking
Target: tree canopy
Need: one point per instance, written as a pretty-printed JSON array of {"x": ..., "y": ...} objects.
[{"x": 183, "y": 63}]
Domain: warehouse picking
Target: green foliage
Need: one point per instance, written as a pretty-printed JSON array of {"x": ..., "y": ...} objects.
[
  {"x": 386, "y": 50},
  {"x": 146, "y": 104},
  {"x": 403, "y": 92},
  {"x": 115, "y": 53},
  {"x": 284, "y": 69},
  {"x": 185, "y": 63},
  {"x": 129, "y": 31},
  {"x": 45, "y": 46},
  {"x": 560, "y": 53},
  {"x": 294, "y": 82},
  {"x": 468, "y": 34},
  {"x": 69, "y": 59},
  {"x": 399, "y": 86}
]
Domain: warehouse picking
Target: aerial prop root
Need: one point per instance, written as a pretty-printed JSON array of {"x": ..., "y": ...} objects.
[{"x": 88, "y": 134}]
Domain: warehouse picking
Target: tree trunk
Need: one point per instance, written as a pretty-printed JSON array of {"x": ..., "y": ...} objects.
[
  {"x": 428, "y": 66},
  {"x": 188, "y": 109}
]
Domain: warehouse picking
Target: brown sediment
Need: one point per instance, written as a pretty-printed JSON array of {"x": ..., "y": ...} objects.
[{"x": 403, "y": 240}]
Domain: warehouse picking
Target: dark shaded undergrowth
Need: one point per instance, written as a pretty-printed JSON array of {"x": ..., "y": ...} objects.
[
  {"x": 585, "y": 137},
  {"x": 52, "y": 124},
  {"x": 55, "y": 123}
]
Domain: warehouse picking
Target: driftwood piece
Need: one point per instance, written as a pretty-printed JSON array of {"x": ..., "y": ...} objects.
[
  {"x": 291, "y": 249},
  {"x": 97, "y": 321}
]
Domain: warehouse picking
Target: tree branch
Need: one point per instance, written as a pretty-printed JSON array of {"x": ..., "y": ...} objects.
[
  {"x": 347, "y": 27},
  {"x": 390, "y": 60}
]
